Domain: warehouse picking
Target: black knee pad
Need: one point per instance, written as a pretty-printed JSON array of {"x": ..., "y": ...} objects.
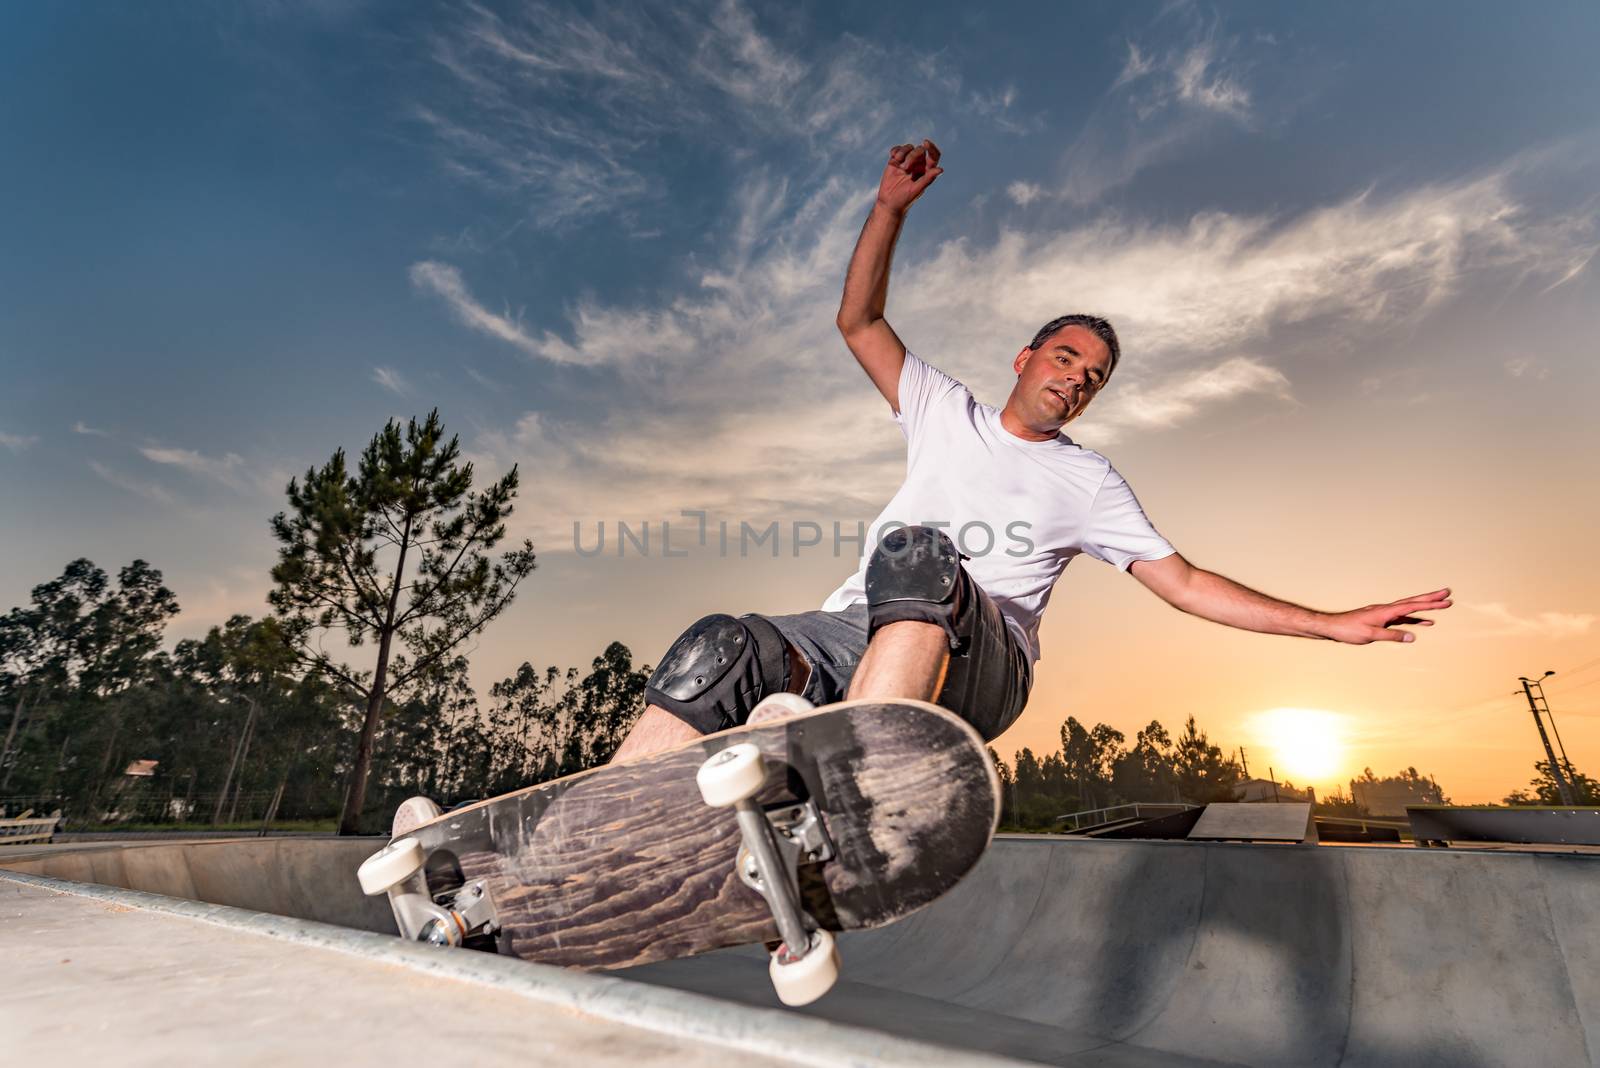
[
  {"x": 718, "y": 669},
  {"x": 913, "y": 574}
]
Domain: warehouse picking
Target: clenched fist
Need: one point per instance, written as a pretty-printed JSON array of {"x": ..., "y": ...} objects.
[{"x": 911, "y": 169}]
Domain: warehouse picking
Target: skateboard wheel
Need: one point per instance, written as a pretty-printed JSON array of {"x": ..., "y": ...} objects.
[
  {"x": 390, "y": 866},
  {"x": 780, "y": 706},
  {"x": 731, "y": 775},
  {"x": 413, "y": 813},
  {"x": 802, "y": 980}
]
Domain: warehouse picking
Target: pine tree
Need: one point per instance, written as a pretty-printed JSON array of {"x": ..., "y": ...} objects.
[{"x": 396, "y": 554}]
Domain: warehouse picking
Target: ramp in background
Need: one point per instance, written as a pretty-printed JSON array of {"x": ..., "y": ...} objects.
[
  {"x": 1078, "y": 952},
  {"x": 1241, "y": 822}
]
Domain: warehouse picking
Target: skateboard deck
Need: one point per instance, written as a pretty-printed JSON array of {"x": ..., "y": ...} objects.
[{"x": 628, "y": 863}]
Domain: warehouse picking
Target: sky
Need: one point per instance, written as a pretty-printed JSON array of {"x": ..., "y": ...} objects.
[{"x": 1348, "y": 249}]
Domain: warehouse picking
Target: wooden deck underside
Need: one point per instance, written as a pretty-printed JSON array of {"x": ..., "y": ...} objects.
[{"x": 626, "y": 864}]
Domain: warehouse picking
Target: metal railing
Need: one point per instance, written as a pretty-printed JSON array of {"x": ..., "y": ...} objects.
[{"x": 1132, "y": 810}]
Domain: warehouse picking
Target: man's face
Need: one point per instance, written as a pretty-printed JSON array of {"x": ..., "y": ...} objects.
[{"x": 1056, "y": 381}]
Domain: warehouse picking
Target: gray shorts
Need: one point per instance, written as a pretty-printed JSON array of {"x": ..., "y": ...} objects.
[
  {"x": 717, "y": 671},
  {"x": 986, "y": 684}
]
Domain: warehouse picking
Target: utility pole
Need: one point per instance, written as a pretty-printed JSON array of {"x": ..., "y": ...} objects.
[
  {"x": 1534, "y": 705},
  {"x": 1243, "y": 760}
]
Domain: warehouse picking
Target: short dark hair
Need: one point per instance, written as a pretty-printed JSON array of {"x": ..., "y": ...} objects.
[{"x": 1092, "y": 323}]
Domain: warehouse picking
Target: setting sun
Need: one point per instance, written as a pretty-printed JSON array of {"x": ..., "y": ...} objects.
[{"x": 1303, "y": 745}]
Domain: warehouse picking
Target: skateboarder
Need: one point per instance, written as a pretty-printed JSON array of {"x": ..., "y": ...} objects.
[{"x": 924, "y": 617}]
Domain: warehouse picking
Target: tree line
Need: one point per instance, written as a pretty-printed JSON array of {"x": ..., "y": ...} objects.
[
  {"x": 352, "y": 694},
  {"x": 1096, "y": 768},
  {"x": 239, "y": 731}
]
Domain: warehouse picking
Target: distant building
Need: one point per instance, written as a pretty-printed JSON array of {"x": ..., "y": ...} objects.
[
  {"x": 141, "y": 769},
  {"x": 1389, "y": 797},
  {"x": 1265, "y": 790}
]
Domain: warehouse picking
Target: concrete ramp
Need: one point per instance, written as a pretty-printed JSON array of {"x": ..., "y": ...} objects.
[
  {"x": 1127, "y": 953},
  {"x": 1238, "y": 822},
  {"x": 309, "y": 878},
  {"x": 1079, "y": 952}
]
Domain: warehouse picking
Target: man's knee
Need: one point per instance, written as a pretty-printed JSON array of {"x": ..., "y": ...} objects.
[
  {"x": 913, "y": 576},
  {"x": 718, "y": 669}
]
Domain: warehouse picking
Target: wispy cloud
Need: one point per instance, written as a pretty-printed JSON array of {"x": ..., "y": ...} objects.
[
  {"x": 1176, "y": 399},
  {"x": 1201, "y": 306},
  {"x": 151, "y": 491},
  {"x": 445, "y": 282},
  {"x": 505, "y": 118},
  {"x": 1502, "y": 622},
  {"x": 17, "y": 442},
  {"x": 209, "y": 600},
  {"x": 227, "y": 469},
  {"x": 1167, "y": 96},
  {"x": 80, "y": 427},
  {"x": 482, "y": 379},
  {"x": 391, "y": 380},
  {"x": 1024, "y": 193},
  {"x": 1527, "y": 367}
]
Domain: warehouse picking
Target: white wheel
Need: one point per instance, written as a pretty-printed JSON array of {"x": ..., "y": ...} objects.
[
  {"x": 731, "y": 775},
  {"x": 800, "y": 982},
  {"x": 779, "y": 706},
  {"x": 390, "y": 866},
  {"x": 413, "y": 813}
]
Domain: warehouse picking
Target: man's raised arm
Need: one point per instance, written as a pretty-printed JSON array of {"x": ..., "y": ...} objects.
[{"x": 876, "y": 347}]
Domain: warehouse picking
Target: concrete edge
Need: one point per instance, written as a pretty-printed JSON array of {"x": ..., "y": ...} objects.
[{"x": 768, "y": 1032}]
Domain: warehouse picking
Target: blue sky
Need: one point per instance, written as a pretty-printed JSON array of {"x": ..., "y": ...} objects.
[{"x": 1348, "y": 248}]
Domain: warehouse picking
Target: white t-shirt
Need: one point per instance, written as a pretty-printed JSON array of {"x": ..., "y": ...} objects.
[{"x": 1020, "y": 510}]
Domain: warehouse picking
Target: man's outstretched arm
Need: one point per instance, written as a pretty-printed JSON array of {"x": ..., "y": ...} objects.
[
  {"x": 877, "y": 348},
  {"x": 1211, "y": 596}
]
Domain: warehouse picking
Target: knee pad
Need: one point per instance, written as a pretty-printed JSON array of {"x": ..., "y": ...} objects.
[
  {"x": 718, "y": 669},
  {"x": 913, "y": 574}
]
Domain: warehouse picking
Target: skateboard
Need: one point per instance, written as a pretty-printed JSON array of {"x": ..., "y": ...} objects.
[{"x": 841, "y": 818}]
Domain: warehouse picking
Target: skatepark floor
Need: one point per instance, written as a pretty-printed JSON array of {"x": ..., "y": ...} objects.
[
  {"x": 1054, "y": 950},
  {"x": 99, "y": 976}
]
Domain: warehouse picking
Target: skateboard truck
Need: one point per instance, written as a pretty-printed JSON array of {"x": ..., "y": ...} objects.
[
  {"x": 806, "y": 965},
  {"x": 396, "y": 870},
  {"x": 800, "y": 838}
]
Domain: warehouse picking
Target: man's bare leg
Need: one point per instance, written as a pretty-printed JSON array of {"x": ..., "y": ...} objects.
[
  {"x": 657, "y": 729},
  {"x": 905, "y": 660},
  {"x": 654, "y": 731}
]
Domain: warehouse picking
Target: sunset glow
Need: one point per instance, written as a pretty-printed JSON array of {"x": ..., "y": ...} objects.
[{"x": 1301, "y": 745}]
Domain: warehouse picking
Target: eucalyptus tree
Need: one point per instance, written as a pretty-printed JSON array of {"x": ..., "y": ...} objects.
[
  {"x": 395, "y": 555},
  {"x": 67, "y": 658},
  {"x": 244, "y": 664},
  {"x": 1089, "y": 756}
]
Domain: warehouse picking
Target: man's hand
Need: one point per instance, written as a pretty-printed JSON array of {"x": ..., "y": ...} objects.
[
  {"x": 1375, "y": 622},
  {"x": 911, "y": 170},
  {"x": 1211, "y": 596}
]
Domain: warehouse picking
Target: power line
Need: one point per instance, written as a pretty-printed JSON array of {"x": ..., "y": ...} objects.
[
  {"x": 1580, "y": 668},
  {"x": 1581, "y": 685},
  {"x": 1468, "y": 706}
]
